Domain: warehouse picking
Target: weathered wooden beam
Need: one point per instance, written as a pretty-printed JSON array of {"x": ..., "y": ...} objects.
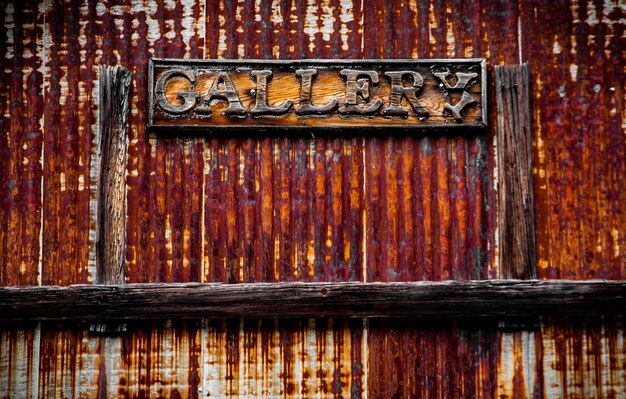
[
  {"x": 490, "y": 298},
  {"x": 516, "y": 214},
  {"x": 111, "y": 241},
  {"x": 114, "y": 85}
]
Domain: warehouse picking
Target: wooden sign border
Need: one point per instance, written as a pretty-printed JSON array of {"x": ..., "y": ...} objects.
[{"x": 312, "y": 62}]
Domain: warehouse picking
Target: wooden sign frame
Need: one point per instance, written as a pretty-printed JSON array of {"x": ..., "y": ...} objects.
[{"x": 385, "y": 85}]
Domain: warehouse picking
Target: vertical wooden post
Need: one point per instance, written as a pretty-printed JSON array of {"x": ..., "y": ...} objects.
[
  {"x": 516, "y": 215},
  {"x": 111, "y": 241},
  {"x": 111, "y": 227}
]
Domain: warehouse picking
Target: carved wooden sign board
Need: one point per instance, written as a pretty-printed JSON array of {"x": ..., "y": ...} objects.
[{"x": 210, "y": 96}]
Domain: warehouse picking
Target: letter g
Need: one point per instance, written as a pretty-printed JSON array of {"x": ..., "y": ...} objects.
[{"x": 189, "y": 97}]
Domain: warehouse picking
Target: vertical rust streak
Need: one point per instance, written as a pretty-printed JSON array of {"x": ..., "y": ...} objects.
[
  {"x": 114, "y": 103},
  {"x": 69, "y": 151},
  {"x": 4, "y": 153},
  {"x": 354, "y": 199},
  {"x": 52, "y": 121},
  {"x": 516, "y": 219},
  {"x": 246, "y": 189},
  {"x": 138, "y": 247}
]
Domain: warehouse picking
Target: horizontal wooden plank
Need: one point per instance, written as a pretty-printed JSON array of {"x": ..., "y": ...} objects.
[
  {"x": 492, "y": 298},
  {"x": 316, "y": 94}
]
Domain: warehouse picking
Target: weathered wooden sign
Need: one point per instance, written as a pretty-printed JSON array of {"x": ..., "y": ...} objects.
[{"x": 335, "y": 94}]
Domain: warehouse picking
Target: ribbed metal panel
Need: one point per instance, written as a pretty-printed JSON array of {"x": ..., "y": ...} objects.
[{"x": 270, "y": 208}]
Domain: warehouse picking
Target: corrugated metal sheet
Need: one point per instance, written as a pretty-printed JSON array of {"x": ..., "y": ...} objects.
[
  {"x": 561, "y": 358},
  {"x": 309, "y": 208},
  {"x": 252, "y": 358},
  {"x": 251, "y": 209},
  {"x": 21, "y": 143},
  {"x": 579, "y": 111}
]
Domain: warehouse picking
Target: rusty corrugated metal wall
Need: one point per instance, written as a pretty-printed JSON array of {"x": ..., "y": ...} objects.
[{"x": 391, "y": 208}]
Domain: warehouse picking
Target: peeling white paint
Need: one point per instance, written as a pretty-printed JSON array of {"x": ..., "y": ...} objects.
[
  {"x": 9, "y": 24},
  {"x": 310, "y": 23},
  {"x": 100, "y": 9},
  {"x": 241, "y": 49},
  {"x": 328, "y": 20},
  {"x": 573, "y": 72},
  {"x": 88, "y": 376},
  {"x": 592, "y": 17},
  {"x": 170, "y": 4},
  {"x": 27, "y": 54},
  {"x": 221, "y": 48},
  {"x": 116, "y": 10},
  {"x": 188, "y": 23},
  {"x": 276, "y": 18},
  {"x": 153, "y": 24},
  {"x": 170, "y": 33},
  {"x": 432, "y": 24},
  {"x": 450, "y": 39},
  {"x": 345, "y": 17}
]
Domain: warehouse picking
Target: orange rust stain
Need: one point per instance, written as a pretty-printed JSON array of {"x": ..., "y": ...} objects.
[
  {"x": 264, "y": 358},
  {"x": 578, "y": 112},
  {"x": 426, "y": 358}
]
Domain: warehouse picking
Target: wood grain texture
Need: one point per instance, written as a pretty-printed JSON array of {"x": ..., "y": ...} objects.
[
  {"x": 111, "y": 242},
  {"x": 230, "y": 95},
  {"x": 193, "y": 300},
  {"x": 516, "y": 209}
]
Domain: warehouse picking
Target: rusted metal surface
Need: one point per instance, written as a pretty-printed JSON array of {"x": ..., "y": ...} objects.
[
  {"x": 251, "y": 208},
  {"x": 68, "y": 136},
  {"x": 561, "y": 358},
  {"x": 564, "y": 358},
  {"x": 429, "y": 202},
  {"x": 21, "y": 140},
  {"x": 19, "y": 360},
  {"x": 427, "y": 199},
  {"x": 255, "y": 358},
  {"x": 577, "y": 57},
  {"x": 309, "y": 209},
  {"x": 429, "y": 359}
]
